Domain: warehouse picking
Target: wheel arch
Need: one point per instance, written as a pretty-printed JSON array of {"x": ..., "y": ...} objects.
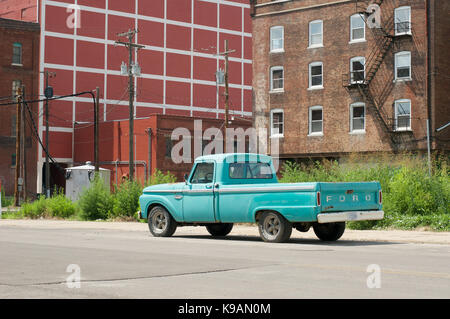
[{"x": 154, "y": 204}]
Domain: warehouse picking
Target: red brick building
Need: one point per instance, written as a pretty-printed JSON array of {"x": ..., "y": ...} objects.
[
  {"x": 330, "y": 79},
  {"x": 19, "y": 65},
  {"x": 153, "y": 135},
  {"x": 182, "y": 40}
]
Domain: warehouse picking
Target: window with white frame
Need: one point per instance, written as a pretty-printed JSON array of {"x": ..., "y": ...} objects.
[
  {"x": 357, "y": 69},
  {"x": 357, "y": 117},
  {"x": 276, "y": 78},
  {"x": 403, "y": 115},
  {"x": 316, "y": 75},
  {"x": 402, "y": 20},
  {"x": 315, "y": 120},
  {"x": 357, "y": 28},
  {"x": 276, "y": 39},
  {"x": 17, "y": 54},
  {"x": 276, "y": 123},
  {"x": 403, "y": 65},
  {"x": 16, "y": 84},
  {"x": 315, "y": 33}
]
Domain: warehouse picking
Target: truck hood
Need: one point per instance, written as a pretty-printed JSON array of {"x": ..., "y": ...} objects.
[{"x": 163, "y": 187}]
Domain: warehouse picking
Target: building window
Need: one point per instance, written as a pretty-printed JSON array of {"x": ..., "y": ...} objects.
[
  {"x": 315, "y": 120},
  {"x": 277, "y": 39},
  {"x": 277, "y": 78},
  {"x": 357, "y": 28},
  {"x": 13, "y": 160},
  {"x": 16, "y": 84},
  {"x": 276, "y": 123},
  {"x": 17, "y": 54},
  {"x": 357, "y": 118},
  {"x": 316, "y": 34},
  {"x": 316, "y": 75},
  {"x": 403, "y": 20},
  {"x": 357, "y": 69},
  {"x": 403, "y": 66},
  {"x": 403, "y": 115}
]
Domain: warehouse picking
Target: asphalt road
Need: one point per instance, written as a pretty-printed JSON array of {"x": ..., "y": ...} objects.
[{"x": 126, "y": 262}]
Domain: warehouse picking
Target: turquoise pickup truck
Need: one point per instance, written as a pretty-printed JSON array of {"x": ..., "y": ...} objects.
[{"x": 232, "y": 188}]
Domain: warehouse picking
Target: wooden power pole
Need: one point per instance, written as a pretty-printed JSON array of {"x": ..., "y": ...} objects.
[
  {"x": 131, "y": 47},
  {"x": 227, "y": 95},
  {"x": 18, "y": 148}
]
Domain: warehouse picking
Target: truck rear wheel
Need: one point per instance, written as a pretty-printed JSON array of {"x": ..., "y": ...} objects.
[
  {"x": 219, "y": 229},
  {"x": 329, "y": 231},
  {"x": 274, "y": 228},
  {"x": 161, "y": 223}
]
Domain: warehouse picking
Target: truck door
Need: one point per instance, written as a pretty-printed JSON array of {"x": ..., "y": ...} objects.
[{"x": 198, "y": 194}]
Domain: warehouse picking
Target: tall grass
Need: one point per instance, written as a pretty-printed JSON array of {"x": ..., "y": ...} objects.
[{"x": 411, "y": 197}]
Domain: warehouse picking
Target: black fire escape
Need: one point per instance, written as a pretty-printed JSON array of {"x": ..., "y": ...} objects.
[{"x": 359, "y": 81}]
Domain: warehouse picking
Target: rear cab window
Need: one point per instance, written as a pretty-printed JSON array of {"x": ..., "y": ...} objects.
[{"x": 250, "y": 171}]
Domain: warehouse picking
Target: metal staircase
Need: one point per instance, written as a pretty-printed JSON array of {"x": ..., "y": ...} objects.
[{"x": 384, "y": 40}]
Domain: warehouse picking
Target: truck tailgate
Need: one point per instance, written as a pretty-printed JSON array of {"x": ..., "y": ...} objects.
[{"x": 337, "y": 197}]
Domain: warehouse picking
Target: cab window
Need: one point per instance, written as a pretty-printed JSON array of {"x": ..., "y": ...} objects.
[
  {"x": 250, "y": 171},
  {"x": 203, "y": 174}
]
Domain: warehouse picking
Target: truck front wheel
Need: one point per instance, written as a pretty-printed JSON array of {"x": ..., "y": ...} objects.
[
  {"x": 274, "y": 228},
  {"x": 218, "y": 230},
  {"x": 329, "y": 231},
  {"x": 161, "y": 223}
]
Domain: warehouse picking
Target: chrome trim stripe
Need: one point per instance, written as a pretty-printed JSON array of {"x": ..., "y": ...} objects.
[
  {"x": 266, "y": 189},
  {"x": 350, "y": 216},
  {"x": 240, "y": 189}
]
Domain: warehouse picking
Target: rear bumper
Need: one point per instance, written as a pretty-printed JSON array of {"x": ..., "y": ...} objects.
[{"x": 350, "y": 216}]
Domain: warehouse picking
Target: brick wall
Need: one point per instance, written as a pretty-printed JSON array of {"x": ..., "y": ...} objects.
[
  {"x": 28, "y": 35},
  {"x": 440, "y": 70},
  {"x": 334, "y": 98}
]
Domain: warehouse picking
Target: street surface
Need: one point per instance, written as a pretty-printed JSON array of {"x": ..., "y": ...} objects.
[{"x": 40, "y": 259}]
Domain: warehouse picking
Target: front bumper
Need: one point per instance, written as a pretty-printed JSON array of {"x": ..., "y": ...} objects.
[
  {"x": 139, "y": 215},
  {"x": 350, "y": 216}
]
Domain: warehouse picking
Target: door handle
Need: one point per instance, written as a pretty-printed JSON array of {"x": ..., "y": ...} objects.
[{"x": 208, "y": 186}]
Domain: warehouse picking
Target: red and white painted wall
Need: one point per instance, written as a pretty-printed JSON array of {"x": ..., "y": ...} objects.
[{"x": 182, "y": 39}]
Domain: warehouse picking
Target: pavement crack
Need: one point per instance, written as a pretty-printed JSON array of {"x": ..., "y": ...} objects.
[{"x": 52, "y": 283}]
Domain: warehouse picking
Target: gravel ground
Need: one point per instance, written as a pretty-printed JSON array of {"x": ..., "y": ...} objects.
[{"x": 400, "y": 236}]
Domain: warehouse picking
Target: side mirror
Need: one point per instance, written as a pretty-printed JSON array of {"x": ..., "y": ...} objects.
[{"x": 186, "y": 176}]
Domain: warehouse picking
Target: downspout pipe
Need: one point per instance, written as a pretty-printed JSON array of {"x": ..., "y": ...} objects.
[{"x": 429, "y": 72}]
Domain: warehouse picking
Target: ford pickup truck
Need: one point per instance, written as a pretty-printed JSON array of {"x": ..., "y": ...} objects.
[{"x": 224, "y": 189}]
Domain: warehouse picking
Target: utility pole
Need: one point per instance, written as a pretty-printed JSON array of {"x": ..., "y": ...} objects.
[
  {"x": 18, "y": 149},
  {"x": 96, "y": 109},
  {"x": 226, "y": 54},
  {"x": 132, "y": 68},
  {"x": 23, "y": 167},
  {"x": 48, "y": 94}
]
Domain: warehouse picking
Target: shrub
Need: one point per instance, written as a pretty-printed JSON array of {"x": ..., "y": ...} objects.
[
  {"x": 159, "y": 177},
  {"x": 411, "y": 197},
  {"x": 36, "y": 209},
  {"x": 58, "y": 206},
  {"x": 126, "y": 199},
  {"x": 96, "y": 202}
]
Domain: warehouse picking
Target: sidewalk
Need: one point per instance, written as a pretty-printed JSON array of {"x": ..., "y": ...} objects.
[{"x": 399, "y": 236}]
